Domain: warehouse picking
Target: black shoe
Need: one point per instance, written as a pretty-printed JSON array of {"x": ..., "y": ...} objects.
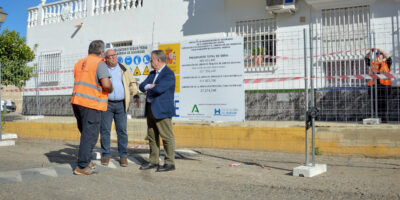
[
  {"x": 148, "y": 166},
  {"x": 165, "y": 168}
]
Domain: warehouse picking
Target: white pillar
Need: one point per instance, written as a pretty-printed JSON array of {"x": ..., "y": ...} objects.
[
  {"x": 45, "y": 15},
  {"x": 81, "y": 8},
  {"x": 71, "y": 10},
  {"x": 107, "y": 6},
  {"x": 58, "y": 15},
  {"x": 40, "y": 13},
  {"x": 97, "y": 9},
  {"x": 112, "y": 5},
  {"x": 128, "y": 4},
  {"x": 117, "y": 5},
  {"x": 102, "y": 7},
  {"x": 76, "y": 9},
  {"x": 91, "y": 8},
  {"x": 29, "y": 18},
  {"x": 85, "y": 8},
  {"x": 35, "y": 17},
  {"x": 123, "y": 4},
  {"x": 53, "y": 14}
]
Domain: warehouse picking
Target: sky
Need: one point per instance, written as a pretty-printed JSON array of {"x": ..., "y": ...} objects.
[{"x": 17, "y": 11}]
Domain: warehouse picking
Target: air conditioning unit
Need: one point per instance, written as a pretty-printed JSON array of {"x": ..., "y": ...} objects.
[{"x": 281, "y": 6}]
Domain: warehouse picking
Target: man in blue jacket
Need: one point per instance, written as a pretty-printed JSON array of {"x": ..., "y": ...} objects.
[{"x": 159, "y": 110}]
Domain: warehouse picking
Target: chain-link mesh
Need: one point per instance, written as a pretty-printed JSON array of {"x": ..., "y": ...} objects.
[{"x": 274, "y": 85}]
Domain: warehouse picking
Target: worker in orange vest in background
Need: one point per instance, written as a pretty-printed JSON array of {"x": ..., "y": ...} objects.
[
  {"x": 380, "y": 65},
  {"x": 89, "y": 99}
]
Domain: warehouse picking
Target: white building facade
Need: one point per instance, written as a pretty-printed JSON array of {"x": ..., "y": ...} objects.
[{"x": 281, "y": 37}]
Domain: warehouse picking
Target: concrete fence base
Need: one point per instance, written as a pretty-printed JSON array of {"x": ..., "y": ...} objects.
[{"x": 331, "y": 138}]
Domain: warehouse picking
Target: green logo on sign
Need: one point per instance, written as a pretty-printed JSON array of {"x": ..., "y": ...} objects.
[{"x": 195, "y": 109}]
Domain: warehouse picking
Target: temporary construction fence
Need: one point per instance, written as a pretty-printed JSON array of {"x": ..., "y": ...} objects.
[
  {"x": 274, "y": 71},
  {"x": 275, "y": 84}
]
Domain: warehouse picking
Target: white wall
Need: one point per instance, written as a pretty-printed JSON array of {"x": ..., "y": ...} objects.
[{"x": 170, "y": 21}]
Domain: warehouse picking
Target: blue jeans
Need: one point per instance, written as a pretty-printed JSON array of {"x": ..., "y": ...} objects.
[
  {"x": 116, "y": 111},
  {"x": 88, "y": 121}
]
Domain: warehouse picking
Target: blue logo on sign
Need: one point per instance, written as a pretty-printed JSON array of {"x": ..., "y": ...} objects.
[
  {"x": 225, "y": 111},
  {"x": 128, "y": 60},
  {"x": 119, "y": 59},
  {"x": 137, "y": 60},
  {"x": 217, "y": 111},
  {"x": 176, "y": 108},
  {"x": 146, "y": 59}
]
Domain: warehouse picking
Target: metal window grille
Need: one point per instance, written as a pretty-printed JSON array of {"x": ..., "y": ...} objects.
[
  {"x": 278, "y": 2},
  {"x": 259, "y": 41},
  {"x": 48, "y": 68},
  {"x": 344, "y": 38}
]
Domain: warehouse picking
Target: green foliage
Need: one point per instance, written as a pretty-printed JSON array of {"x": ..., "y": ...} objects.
[
  {"x": 318, "y": 152},
  {"x": 14, "y": 56},
  {"x": 2, "y": 116},
  {"x": 260, "y": 51}
]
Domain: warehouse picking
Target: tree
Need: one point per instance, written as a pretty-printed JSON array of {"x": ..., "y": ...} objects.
[{"x": 14, "y": 58}]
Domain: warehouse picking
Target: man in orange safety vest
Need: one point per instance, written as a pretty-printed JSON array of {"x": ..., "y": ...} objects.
[
  {"x": 380, "y": 65},
  {"x": 89, "y": 99}
]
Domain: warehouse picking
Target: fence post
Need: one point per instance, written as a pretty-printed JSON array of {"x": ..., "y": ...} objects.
[
  {"x": 37, "y": 86},
  {"x": 306, "y": 90},
  {"x": 312, "y": 98},
  {"x": 376, "y": 82},
  {"x": 371, "y": 71},
  {"x": 1, "y": 111},
  {"x": 314, "y": 169}
]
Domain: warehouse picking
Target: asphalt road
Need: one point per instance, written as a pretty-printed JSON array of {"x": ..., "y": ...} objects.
[{"x": 42, "y": 169}]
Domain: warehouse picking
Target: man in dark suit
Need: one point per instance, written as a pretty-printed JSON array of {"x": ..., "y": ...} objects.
[{"x": 159, "y": 110}]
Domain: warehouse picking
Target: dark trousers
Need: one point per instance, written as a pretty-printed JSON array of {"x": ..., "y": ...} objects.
[
  {"x": 382, "y": 97},
  {"x": 115, "y": 111},
  {"x": 88, "y": 121},
  {"x": 155, "y": 129}
]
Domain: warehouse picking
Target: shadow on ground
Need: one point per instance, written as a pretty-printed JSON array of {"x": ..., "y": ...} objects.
[{"x": 69, "y": 155}]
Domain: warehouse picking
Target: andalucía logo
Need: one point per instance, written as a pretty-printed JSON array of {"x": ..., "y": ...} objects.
[{"x": 195, "y": 109}]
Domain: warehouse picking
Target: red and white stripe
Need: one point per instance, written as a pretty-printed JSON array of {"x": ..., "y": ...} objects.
[
  {"x": 57, "y": 72},
  {"x": 39, "y": 89},
  {"x": 301, "y": 58},
  {"x": 358, "y": 77},
  {"x": 249, "y": 81}
]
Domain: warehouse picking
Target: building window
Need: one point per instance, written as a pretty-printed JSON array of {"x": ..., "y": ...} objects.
[
  {"x": 259, "y": 41},
  {"x": 345, "y": 36},
  {"x": 48, "y": 69}
]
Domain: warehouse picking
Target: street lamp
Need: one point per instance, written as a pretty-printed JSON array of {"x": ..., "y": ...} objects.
[{"x": 3, "y": 16}]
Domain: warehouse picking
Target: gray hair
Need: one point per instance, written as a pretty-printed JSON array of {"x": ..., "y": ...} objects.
[
  {"x": 108, "y": 49},
  {"x": 160, "y": 55},
  {"x": 96, "y": 47}
]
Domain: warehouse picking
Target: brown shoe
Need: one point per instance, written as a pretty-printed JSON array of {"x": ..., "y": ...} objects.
[
  {"x": 91, "y": 166},
  {"x": 105, "y": 160},
  {"x": 84, "y": 171},
  {"x": 123, "y": 162}
]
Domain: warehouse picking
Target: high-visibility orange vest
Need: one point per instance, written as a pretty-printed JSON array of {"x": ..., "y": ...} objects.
[
  {"x": 380, "y": 68},
  {"x": 87, "y": 92}
]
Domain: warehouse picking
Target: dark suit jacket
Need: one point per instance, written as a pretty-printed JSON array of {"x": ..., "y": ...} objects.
[{"x": 162, "y": 95}]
